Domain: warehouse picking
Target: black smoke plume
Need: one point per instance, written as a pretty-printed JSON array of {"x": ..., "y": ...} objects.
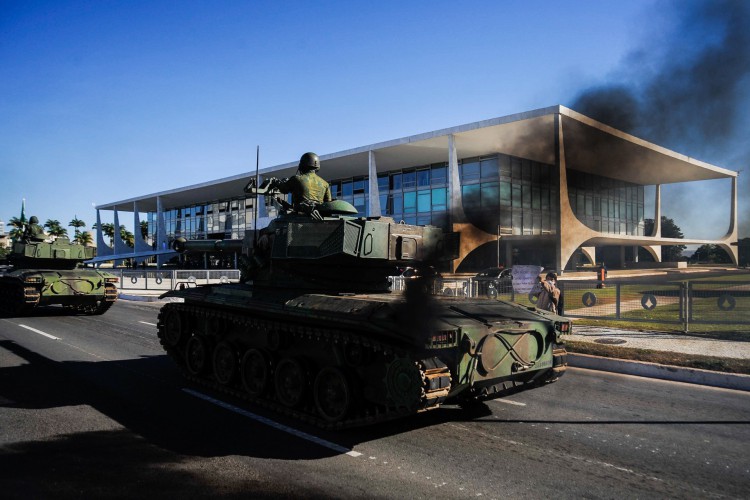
[{"x": 690, "y": 94}]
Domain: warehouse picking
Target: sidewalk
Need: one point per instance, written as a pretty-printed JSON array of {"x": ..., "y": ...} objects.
[{"x": 652, "y": 340}]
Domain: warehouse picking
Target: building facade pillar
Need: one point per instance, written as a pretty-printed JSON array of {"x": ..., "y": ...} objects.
[
  {"x": 161, "y": 233},
  {"x": 373, "y": 205}
]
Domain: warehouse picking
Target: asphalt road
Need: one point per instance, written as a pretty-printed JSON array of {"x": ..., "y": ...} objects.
[{"x": 100, "y": 411}]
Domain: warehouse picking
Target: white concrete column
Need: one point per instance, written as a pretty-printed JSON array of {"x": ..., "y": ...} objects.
[
  {"x": 161, "y": 233},
  {"x": 373, "y": 205},
  {"x": 454, "y": 183},
  {"x": 655, "y": 250},
  {"x": 121, "y": 248},
  {"x": 102, "y": 248},
  {"x": 140, "y": 243}
]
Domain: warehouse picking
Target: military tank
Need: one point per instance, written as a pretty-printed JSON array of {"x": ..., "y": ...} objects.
[
  {"x": 313, "y": 331},
  {"x": 43, "y": 273}
]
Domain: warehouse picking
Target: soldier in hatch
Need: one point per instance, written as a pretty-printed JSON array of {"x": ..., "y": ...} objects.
[
  {"x": 34, "y": 231},
  {"x": 308, "y": 188}
]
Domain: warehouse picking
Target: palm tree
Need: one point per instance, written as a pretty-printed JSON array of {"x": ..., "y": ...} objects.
[
  {"x": 108, "y": 229},
  {"x": 127, "y": 236},
  {"x": 84, "y": 238},
  {"x": 144, "y": 229},
  {"x": 55, "y": 229},
  {"x": 76, "y": 223},
  {"x": 18, "y": 225}
]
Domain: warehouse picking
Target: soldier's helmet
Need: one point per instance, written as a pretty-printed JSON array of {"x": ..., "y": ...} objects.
[
  {"x": 33, "y": 220},
  {"x": 308, "y": 162}
]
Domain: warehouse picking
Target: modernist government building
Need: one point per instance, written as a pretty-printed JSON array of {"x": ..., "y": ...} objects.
[{"x": 550, "y": 187}]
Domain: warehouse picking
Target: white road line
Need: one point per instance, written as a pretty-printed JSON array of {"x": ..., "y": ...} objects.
[
  {"x": 147, "y": 323},
  {"x": 40, "y": 332},
  {"x": 509, "y": 402},
  {"x": 275, "y": 425}
]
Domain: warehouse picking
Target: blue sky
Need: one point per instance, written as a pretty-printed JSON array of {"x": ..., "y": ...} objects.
[{"x": 103, "y": 101}]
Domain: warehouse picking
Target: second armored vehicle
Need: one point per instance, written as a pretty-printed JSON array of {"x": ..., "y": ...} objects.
[{"x": 44, "y": 273}]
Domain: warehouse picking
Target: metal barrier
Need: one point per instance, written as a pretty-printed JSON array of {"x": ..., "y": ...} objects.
[
  {"x": 683, "y": 303},
  {"x": 719, "y": 302},
  {"x": 168, "y": 279},
  {"x": 699, "y": 302}
]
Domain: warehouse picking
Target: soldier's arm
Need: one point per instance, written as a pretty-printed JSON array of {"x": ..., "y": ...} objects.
[{"x": 286, "y": 185}]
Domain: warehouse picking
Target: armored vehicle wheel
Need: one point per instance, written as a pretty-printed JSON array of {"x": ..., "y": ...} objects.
[
  {"x": 102, "y": 306},
  {"x": 196, "y": 355},
  {"x": 225, "y": 363},
  {"x": 173, "y": 328},
  {"x": 333, "y": 397},
  {"x": 255, "y": 372},
  {"x": 12, "y": 299},
  {"x": 98, "y": 307},
  {"x": 290, "y": 382}
]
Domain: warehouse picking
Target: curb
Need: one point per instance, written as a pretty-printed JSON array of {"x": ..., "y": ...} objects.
[
  {"x": 735, "y": 381},
  {"x": 146, "y": 298},
  {"x": 138, "y": 298}
]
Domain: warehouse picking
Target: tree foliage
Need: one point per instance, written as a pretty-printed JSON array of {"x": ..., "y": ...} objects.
[
  {"x": 669, "y": 253},
  {"x": 54, "y": 228},
  {"x": 711, "y": 254},
  {"x": 108, "y": 229},
  {"x": 18, "y": 226},
  {"x": 76, "y": 224}
]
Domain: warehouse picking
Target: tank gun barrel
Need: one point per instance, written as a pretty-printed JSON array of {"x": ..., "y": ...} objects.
[{"x": 183, "y": 245}]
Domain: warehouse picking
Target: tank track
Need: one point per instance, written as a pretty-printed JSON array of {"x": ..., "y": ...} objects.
[
  {"x": 16, "y": 298},
  {"x": 425, "y": 383},
  {"x": 21, "y": 299}
]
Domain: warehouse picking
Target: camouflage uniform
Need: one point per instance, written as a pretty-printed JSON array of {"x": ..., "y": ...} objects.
[
  {"x": 34, "y": 231},
  {"x": 307, "y": 189}
]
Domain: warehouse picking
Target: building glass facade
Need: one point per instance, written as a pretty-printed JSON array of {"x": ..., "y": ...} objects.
[
  {"x": 605, "y": 204},
  {"x": 501, "y": 194}
]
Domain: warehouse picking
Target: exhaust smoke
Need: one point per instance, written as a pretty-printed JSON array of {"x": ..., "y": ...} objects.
[{"x": 690, "y": 93}]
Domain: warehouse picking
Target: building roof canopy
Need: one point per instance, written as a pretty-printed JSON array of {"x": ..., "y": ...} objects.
[{"x": 590, "y": 146}]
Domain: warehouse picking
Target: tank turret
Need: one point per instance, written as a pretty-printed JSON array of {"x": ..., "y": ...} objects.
[
  {"x": 49, "y": 273},
  {"x": 323, "y": 254},
  {"x": 314, "y": 332}
]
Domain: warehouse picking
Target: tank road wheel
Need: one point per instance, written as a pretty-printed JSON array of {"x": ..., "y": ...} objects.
[
  {"x": 13, "y": 300},
  {"x": 255, "y": 372},
  {"x": 333, "y": 397},
  {"x": 102, "y": 306},
  {"x": 355, "y": 355},
  {"x": 173, "y": 328},
  {"x": 196, "y": 355},
  {"x": 225, "y": 363},
  {"x": 290, "y": 382},
  {"x": 404, "y": 383}
]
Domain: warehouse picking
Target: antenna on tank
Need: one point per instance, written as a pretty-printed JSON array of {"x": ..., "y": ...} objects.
[{"x": 255, "y": 211}]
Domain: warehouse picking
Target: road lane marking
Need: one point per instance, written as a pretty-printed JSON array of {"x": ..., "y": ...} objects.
[
  {"x": 509, "y": 402},
  {"x": 147, "y": 323},
  {"x": 275, "y": 425},
  {"x": 40, "y": 332}
]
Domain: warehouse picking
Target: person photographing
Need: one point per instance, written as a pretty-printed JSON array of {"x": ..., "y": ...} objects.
[{"x": 548, "y": 296}]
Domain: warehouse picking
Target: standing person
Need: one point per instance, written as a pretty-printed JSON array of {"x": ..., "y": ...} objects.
[
  {"x": 307, "y": 187},
  {"x": 549, "y": 295}
]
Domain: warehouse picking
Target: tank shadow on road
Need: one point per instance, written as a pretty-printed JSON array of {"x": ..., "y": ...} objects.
[
  {"x": 144, "y": 396},
  {"x": 154, "y": 411}
]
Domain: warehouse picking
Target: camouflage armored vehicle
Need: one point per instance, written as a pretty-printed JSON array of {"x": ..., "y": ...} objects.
[
  {"x": 45, "y": 273},
  {"x": 315, "y": 334}
]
